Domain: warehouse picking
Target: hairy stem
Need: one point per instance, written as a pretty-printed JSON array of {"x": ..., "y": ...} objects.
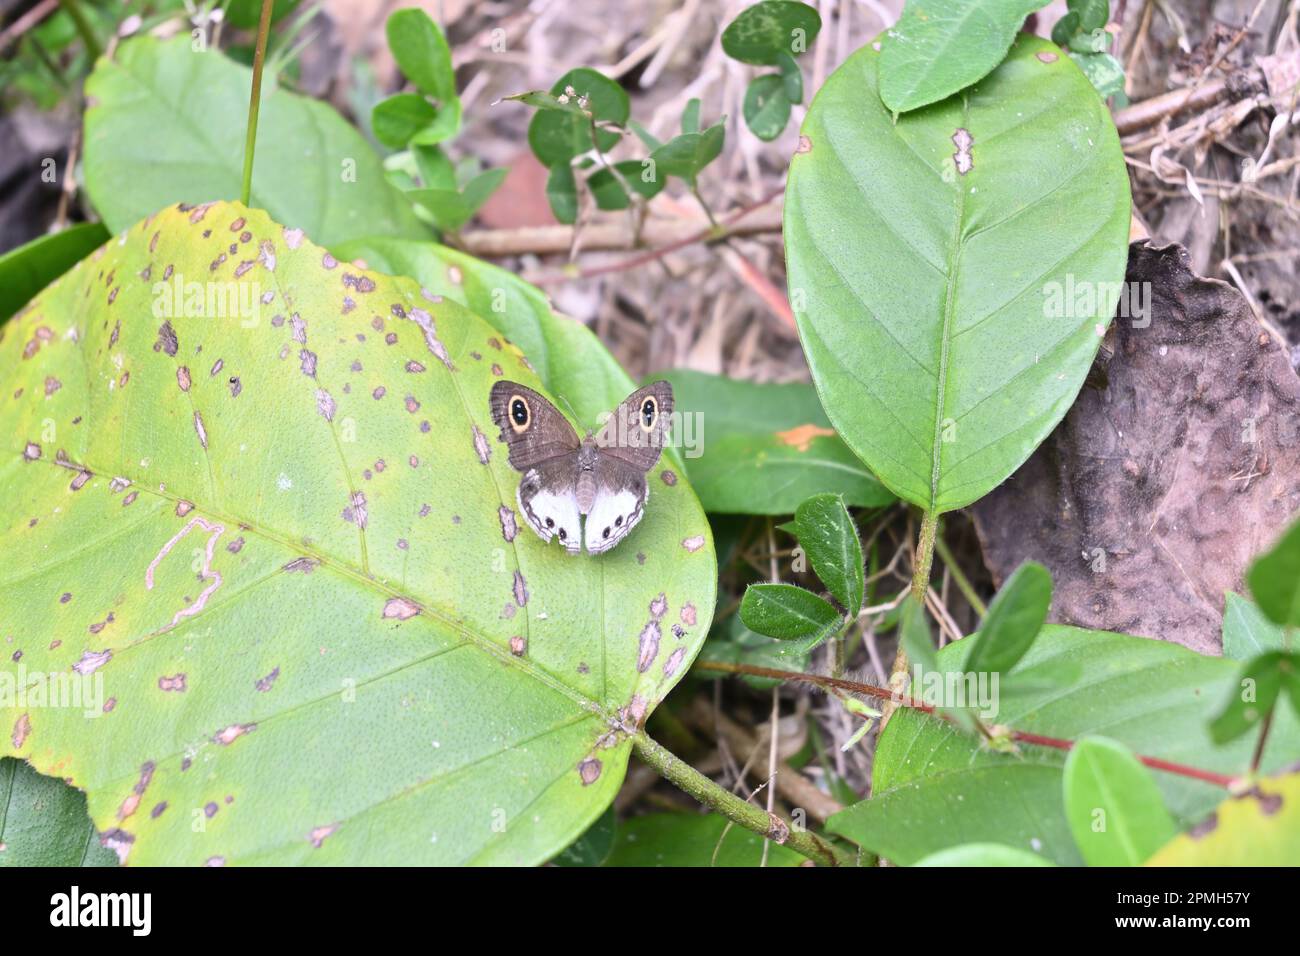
[
  {"x": 739, "y": 811},
  {"x": 255, "y": 100}
]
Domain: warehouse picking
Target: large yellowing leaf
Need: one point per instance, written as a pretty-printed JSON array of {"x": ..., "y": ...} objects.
[{"x": 273, "y": 546}]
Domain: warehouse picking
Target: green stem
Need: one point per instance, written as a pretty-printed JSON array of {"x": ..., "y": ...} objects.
[
  {"x": 733, "y": 807},
  {"x": 255, "y": 100},
  {"x": 74, "y": 11},
  {"x": 924, "y": 556},
  {"x": 959, "y": 577}
]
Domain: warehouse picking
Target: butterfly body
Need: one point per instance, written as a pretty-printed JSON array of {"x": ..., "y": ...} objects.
[{"x": 590, "y": 491}]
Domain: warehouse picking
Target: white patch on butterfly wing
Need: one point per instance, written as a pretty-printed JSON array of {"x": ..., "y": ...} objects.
[
  {"x": 608, "y": 507},
  {"x": 561, "y": 509}
]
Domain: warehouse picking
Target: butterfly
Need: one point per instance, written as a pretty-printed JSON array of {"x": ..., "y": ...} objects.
[{"x": 601, "y": 477}]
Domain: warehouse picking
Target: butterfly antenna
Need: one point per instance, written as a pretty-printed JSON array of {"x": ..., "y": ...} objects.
[{"x": 571, "y": 411}]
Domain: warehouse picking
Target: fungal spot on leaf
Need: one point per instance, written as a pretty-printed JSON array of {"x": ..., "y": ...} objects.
[
  {"x": 183, "y": 378},
  {"x": 963, "y": 141},
  {"x": 132, "y": 801},
  {"x": 659, "y": 606},
  {"x": 200, "y": 430},
  {"x": 481, "y": 446},
  {"x": 427, "y": 325},
  {"x": 325, "y": 404},
  {"x": 693, "y": 543},
  {"x": 778, "y": 830},
  {"x": 266, "y": 255},
  {"x": 235, "y": 546},
  {"x": 400, "y": 608},
  {"x": 414, "y": 367},
  {"x": 174, "y": 684},
  {"x": 265, "y": 683},
  {"x": 79, "y": 481},
  {"x": 22, "y": 729},
  {"x": 92, "y": 661},
  {"x": 412, "y": 405},
  {"x": 521, "y": 589},
  {"x": 318, "y": 835},
  {"x": 229, "y": 735},
  {"x": 805, "y": 145},
  {"x": 1205, "y": 827},
  {"x": 674, "y": 661},
  {"x": 688, "y": 614},
  {"x": 236, "y": 386},
  {"x": 356, "y": 512},
  {"x": 669, "y": 477},
  {"x": 1046, "y": 56},
  {"x": 589, "y": 771},
  {"x": 183, "y": 508},
  {"x": 130, "y": 499},
  {"x": 508, "y": 527},
  {"x": 302, "y": 565},
  {"x": 32, "y": 451},
  {"x": 308, "y": 360},
  {"x": 293, "y": 238},
  {"x": 52, "y": 385},
  {"x": 119, "y": 841},
  {"x": 800, "y": 438},
  {"x": 158, "y": 809},
  {"x": 518, "y": 646},
  {"x": 648, "y": 648}
]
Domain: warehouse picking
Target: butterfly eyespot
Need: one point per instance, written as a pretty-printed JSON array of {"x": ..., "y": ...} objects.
[
  {"x": 563, "y": 534},
  {"x": 519, "y": 413},
  {"x": 550, "y": 522},
  {"x": 605, "y": 533},
  {"x": 618, "y": 522},
  {"x": 649, "y": 413}
]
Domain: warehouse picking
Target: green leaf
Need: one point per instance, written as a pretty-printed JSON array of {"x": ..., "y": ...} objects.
[
  {"x": 562, "y": 193},
  {"x": 43, "y": 821},
  {"x": 1065, "y": 28},
  {"x": 284, "y": 540},
  {"x": 764, "y": 448},
  {"x": 556, "y": 136},
  {"x": 933, "y": 789},
  {"x": 608, "y": 191},
  {"x": 929, "y": 303},
  {"x": 246, "y": 13},
  {"x": 792, "y": 77},
  {"x": 436, "y": 170},
  {"x": 983, "y": 854},
  {"x": 28, "y": 269},
  {"x": 421, "y": 52},
  {"x": 396, "y": 120},
  {"x": 1260, "y": 827},
  {"x": 594, "y": 846},
  {"x": 452, "y": 208},
  {"x": 690, "y": 118},
  {"x": 785, "y": 611},
  {"x": 914, "y": 636},
  {"x": 1274, "y": 579},
  {"x": 766, "y": 107},
  {"x": 939, "y": 47},
  {"x": 1102, "y": 70},
  {"x": 1115, "y": 810},
  {"x": 571, "y": 362},
  {"x": 1017, "y": 614},
  {"x": 692, "y": 839},
  {"x": 686, "y": 155},
  {"x": 1246, "y": 631},
  {"x": 828, "y": 535},
  {"x": 644, "y": 135},
  {"x": 762, "y": 32},
  {"x": 1261, "y": 680},
  {"x": 1093, "y": 14},
  {"x": 733, "y": 643},
  {"x": 167, "y": 126}
]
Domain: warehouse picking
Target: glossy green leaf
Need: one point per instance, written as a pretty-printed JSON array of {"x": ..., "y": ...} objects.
[
  {"x": 931, "y": 302},
  {"x": 594, "y": 846},
  {"x": 690, "y": 118},
  {"x": 686, "y": 155},
  {"x": 1262, "y": 679},
  {"x": 764, "y": 448},
  {"x": 938, "y": 47},
  {"x": 1260, "y": 827},
  {"x": 1115, "y": 810},
  {"x": 766, "y": 108},
  {"x": 1102, "y": 70},
  {"x": 983, "y": 854},
  {"x": 934, "y": 789},
  {"x": 564, "y": 353},
  {"x": 1274, "y": 579},
  {"x": 609, "y": 192},
  {"x": 396, "y": 120},
  {"x": 166, "y": 125},
  {"x": 914, "y": 636},
  {"x": 562, "y": 193},
  {"x": 281, "y": 533},
  {"x": 435, "y": 168},
  {"x": 691, "y": 839},
  {"x": 791, "y": 76},
  {"x": 1016, "y": 615},
  {"x": 1065, "y": 28},
  {"x": 829, "y": 537},
  {"x": 557, "y": 135},
  {"x": 771, "y": 27},
  {"x": 1247, "y": 632},
  {"x": 1092, "y": 14},
  {"x": 28, "y": 269},
  {"x": 421, "y": 51},
  {"x": 785, "y": 611},
  {"x": 43, "y": 822}
]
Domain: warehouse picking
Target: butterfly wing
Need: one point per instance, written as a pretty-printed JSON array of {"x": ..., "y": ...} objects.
[
  {"x": 638, "y": 429},
  {"x": 532, "y": 428},
  {"x": 619, "y": 503},
  {"x": 548, "y": 501}
]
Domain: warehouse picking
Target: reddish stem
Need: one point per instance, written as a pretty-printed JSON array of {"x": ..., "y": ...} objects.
[{"x": 1020, "y": 736}]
